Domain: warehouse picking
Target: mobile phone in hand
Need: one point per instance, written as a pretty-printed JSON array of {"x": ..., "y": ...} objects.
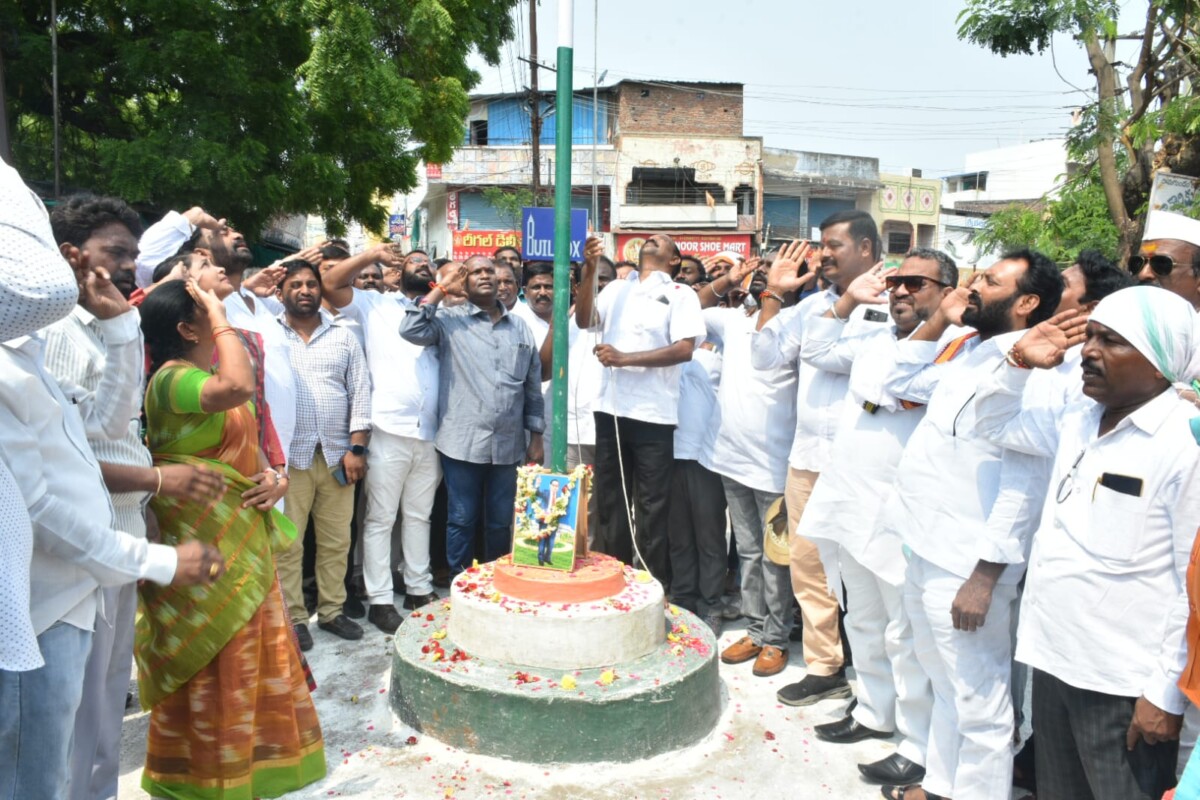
[{"x": 339, "y": 475}]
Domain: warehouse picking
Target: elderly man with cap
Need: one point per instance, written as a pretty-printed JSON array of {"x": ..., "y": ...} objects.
[
  {"x": 1170, "y": 255},
  {"x": 1105, "y": 607}
]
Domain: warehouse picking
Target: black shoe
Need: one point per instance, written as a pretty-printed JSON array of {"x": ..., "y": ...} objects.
[
  {"x": 895, "y": 770},
  {"x": 342, "y": 626},
  {"x": 813, "y": 689},
  {"x": 304, "y": 637},
  {"x": 847, "y": 730},
  {"x": 414, "y": 601},
  {"x": 441, "y": 578},
  {"x": 354, "y": 608},
  {"x": 385, "y": 617}
]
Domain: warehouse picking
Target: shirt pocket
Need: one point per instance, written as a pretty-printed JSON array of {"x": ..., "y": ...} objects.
[
  {"x": 520, "y": 362},
  {"x": 1118, "y": 522}
]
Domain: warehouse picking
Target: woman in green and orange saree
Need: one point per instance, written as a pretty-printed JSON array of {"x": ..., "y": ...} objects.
[{"x": 231, "y": 717}]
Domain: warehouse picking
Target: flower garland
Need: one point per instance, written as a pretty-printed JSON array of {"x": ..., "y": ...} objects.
[{"x": 532, "y": 521}]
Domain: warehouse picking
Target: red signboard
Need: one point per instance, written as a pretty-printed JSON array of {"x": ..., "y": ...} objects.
[
  {"x": 483, "y": 243},
  {"x": 433, "y": 171},
  {"x": 690, "y": 244}
]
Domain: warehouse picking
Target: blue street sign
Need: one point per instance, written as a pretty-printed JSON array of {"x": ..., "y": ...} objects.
[{"x": 537, "y": 227}]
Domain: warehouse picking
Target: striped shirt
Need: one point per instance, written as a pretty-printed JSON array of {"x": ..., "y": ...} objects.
[
  {"x": 75, "y": 354},
  {"x": 333, "y": 392}
]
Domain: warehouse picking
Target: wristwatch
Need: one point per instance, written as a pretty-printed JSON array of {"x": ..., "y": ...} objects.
[{"x": 359, "y": 449}]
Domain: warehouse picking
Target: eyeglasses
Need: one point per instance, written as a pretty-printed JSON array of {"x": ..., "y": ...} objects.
[
  {"x": 1067, "y": 484},
  {"x": 1162, "y": 265},
  {"x": 914, "y": 283}
]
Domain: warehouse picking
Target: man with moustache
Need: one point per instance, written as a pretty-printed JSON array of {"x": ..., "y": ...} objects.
[
  {"x": 509, "y": 257},
  {"x": 538, "y": 307},
  {"x": 893, "y": 692},
  {"x": 649, "y": 327},
  {"x": 332, "y": 428},
  {"x": 961, "y": 506},
  {"x": 1170, "y": 255},
  {"x": 403, "y": 470},
  {"x": 370, "y": 278},
  {"x": 489, "y": 397},
  {"x": 691, "y": 271},
  {"x": 1105, "y": 610},
  {"x": 506, "y": 286},
  {"x": 849, "y": 247}
]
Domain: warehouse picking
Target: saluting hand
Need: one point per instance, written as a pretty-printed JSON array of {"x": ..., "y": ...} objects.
[
  {"x": 784, "y": 275},
  {"x": 1046, "y": 344}
]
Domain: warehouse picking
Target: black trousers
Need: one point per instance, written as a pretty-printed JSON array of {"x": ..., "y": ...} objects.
[
  {"x": 648, "y": 452},
  {"x": 1081, "y": 751},
  {"x": 696, "y": 531}
]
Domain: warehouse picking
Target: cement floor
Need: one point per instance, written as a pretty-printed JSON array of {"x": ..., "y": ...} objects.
[{"x": 758, "y": 748}]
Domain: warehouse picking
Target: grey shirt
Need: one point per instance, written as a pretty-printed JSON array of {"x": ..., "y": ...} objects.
[{"x": 490, "y": 384}]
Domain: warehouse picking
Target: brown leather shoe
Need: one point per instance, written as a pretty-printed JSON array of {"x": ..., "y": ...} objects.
[
  {"x": 770, "y": 661},
  {"x": 743, "y": 649}
]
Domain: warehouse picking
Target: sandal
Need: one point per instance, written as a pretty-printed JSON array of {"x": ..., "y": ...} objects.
[{"x": 900, "y": 792}]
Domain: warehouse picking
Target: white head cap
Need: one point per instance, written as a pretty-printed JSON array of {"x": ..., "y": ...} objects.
[{"x": 1169, "y": 225}]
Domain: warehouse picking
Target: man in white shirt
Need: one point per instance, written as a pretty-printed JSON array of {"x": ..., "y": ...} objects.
[
  {"x": 961, "y": 506},
  {"x": 538, "y": 306},
  {"x": 751, "y": 457},
  {"x": 649, "y": 325},
  {"x": 227, "y": 248},
  {"x": 849, "y": 247},
  {"x": 76, "y": 550},
  {"x": 103, "y": 231},
  {"x": 1105, "y": 609},
  {"x": 696, "y": 518},
  {"x": 1170, "y": 255},
  {"x": 402, "y": 468},
  {"x": 893, "y": 692}
]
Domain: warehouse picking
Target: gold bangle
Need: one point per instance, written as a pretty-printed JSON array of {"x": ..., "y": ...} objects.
[{"x": 159, "y": 473}]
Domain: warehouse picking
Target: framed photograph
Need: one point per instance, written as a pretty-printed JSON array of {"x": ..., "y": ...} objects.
[{"x": 550, "y": 518}]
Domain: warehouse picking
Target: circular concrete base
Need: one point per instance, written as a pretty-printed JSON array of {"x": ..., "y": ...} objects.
[{"x": 661, "y": 702}]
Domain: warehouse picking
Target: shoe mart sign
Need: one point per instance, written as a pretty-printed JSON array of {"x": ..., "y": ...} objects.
[{"x": 690, "y": 244}]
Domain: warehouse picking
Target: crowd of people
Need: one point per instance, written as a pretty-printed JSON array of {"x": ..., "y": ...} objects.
[{"x": 980, "y": 482}]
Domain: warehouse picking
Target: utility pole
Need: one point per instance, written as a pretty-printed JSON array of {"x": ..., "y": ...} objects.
[
  {"x": 535, "y": 104},
  {"x": 562, "y": 232}
]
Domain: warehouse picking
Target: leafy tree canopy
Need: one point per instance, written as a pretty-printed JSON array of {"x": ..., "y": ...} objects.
[{"x": 251, "y": 108}]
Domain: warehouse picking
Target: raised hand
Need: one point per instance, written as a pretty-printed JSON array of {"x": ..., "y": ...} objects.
[
  {"x": 202, "y": 219},
  {"x": 592, "y": 250},
  {"x": 263, "y": 282},
  {"x": 454, "y": 280},
  {"x": 868, "y": 288},
  {"x": 207, "y": 300},
  {"x": 96, "y": 290},
  {"x": 954, "y": 304},
  {"x": 1045, "y": 344},
  {"x": 784, "y": 275},
  {"x": 389, "y": 255},
  {"x": 738, "y": 272}
]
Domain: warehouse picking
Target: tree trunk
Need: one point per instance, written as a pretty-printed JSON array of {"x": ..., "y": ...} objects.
[
  {"x": 5, "y": 145},
  {"x": 1110, "y": 179}
]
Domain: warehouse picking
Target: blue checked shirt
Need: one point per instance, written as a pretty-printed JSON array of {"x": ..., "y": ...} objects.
[{"x": 333, "y": 392}]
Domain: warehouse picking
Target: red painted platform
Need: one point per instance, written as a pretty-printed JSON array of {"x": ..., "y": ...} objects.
[{"x": 596, "y": 577}]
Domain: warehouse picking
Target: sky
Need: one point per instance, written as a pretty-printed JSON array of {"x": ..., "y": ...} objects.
[{"x": 882, "y": 78}]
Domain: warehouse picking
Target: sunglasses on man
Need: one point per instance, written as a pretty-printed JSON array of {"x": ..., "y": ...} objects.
[
  {"x": 913, "y": 283},
  {"x": 1162, "y": 265}
]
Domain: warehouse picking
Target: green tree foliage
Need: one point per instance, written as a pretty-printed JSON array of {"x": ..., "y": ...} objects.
[
  {"x": 508, "y": 202},
  {"x": 251, "y": 108},
  {"x": 1144, "y": 115},
  {"x": 1077, "y": 220}
]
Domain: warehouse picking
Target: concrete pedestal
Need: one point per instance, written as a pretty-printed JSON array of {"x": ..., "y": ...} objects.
[{"x": 666, "y": 700}]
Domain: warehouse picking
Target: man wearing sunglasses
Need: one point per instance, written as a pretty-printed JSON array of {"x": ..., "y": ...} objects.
[
  {"x": 893, "y": 691},
  {"x": 1170, "y": 255}
]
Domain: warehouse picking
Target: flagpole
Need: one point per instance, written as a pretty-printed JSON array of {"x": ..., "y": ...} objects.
[{"x": 562, "y": 232}]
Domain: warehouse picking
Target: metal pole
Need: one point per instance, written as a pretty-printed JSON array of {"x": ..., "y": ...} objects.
[
  {"x": 535, "y": 105},
  {"x": 54, "y": 92},
  {"x": 562, "y": 233},
  {"x": 595, "y": 109}
]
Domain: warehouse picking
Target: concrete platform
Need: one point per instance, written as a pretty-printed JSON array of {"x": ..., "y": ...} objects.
[
  {"x": 758, "y": 749},
  {"x": 661, "y": 702}
]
